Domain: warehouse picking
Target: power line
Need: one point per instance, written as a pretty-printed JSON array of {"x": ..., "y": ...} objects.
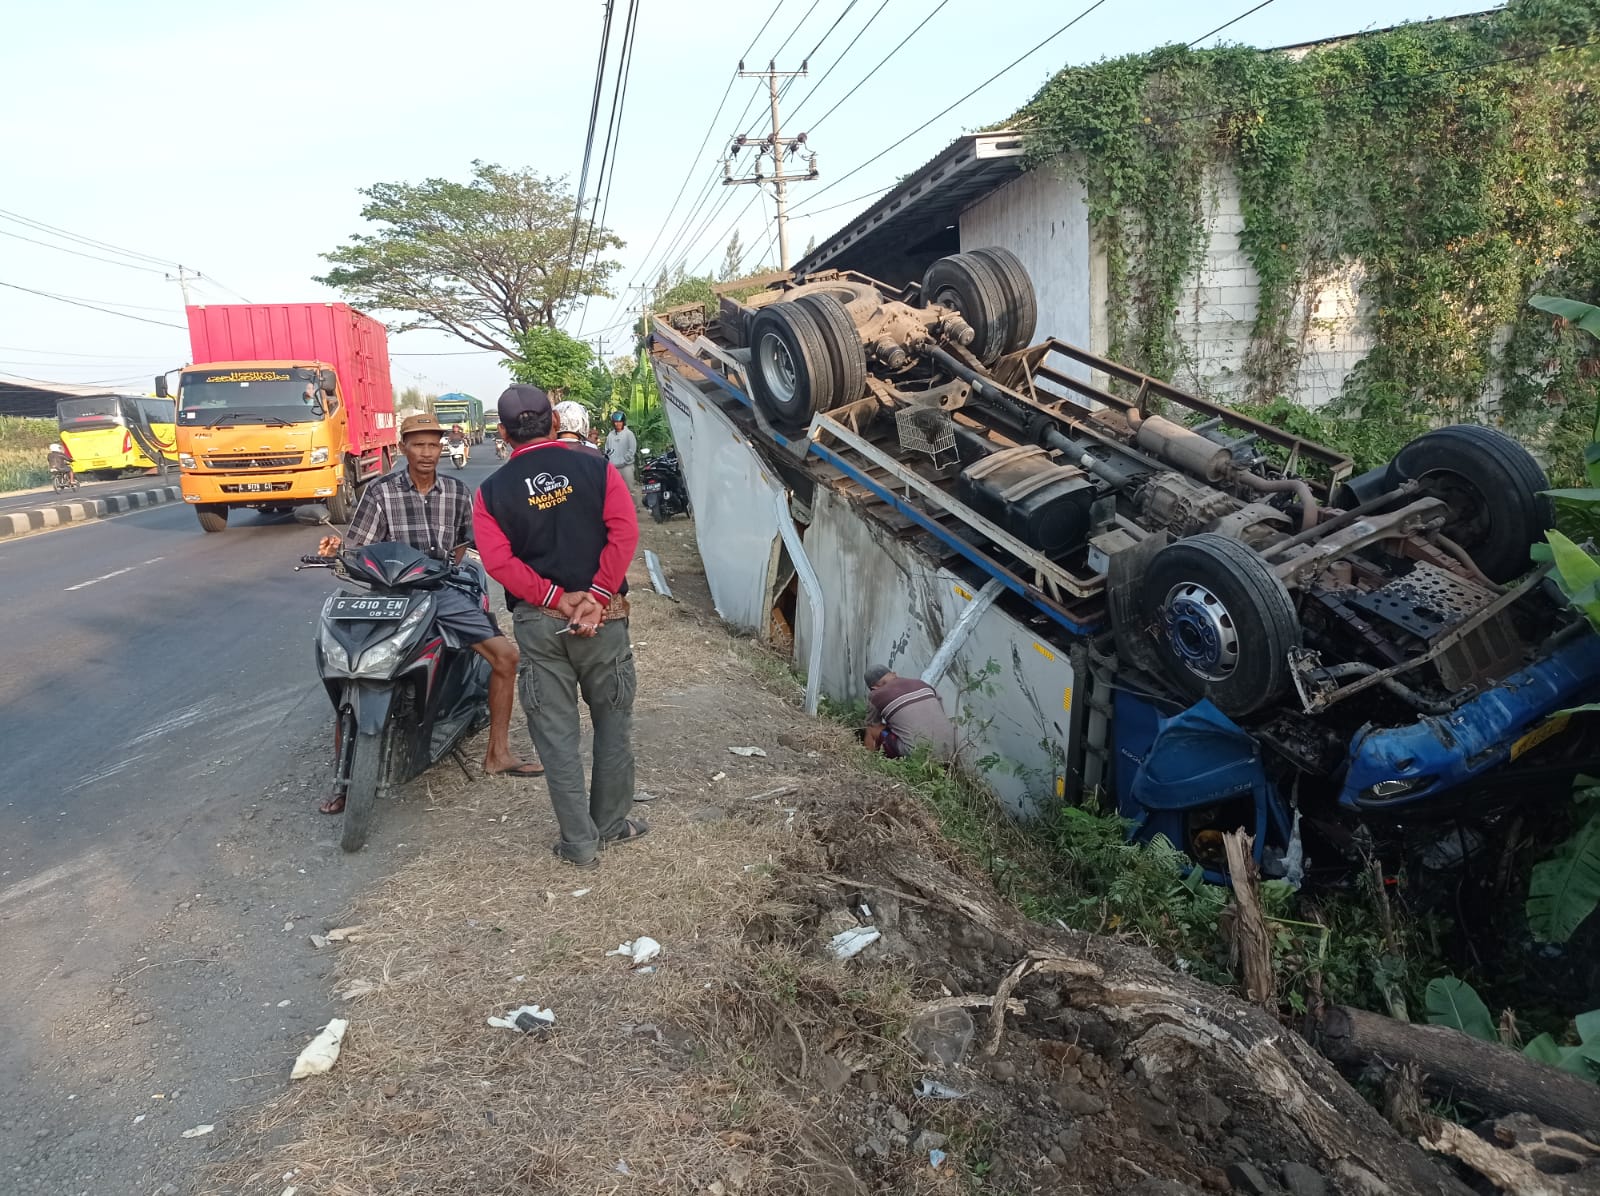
[
  {"x": 843, "y": 54},
  {"x": 829, "y": 33},
  {"x": 608, "y": 158},
  {"x": 79, "y": 253},
  {"x": 588, "y": 144},
  {"x": 916, "y": 29},
  {"x": 956, "y": 104},
  {"x": 779, "y": 51},
  {"x": 92, "y": 306},
  {"x": 93, "y": 243},
  {"x": 1227, "y": 24}
]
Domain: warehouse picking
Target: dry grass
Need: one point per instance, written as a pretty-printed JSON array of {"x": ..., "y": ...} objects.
[{"x": 703, "y": 1071}]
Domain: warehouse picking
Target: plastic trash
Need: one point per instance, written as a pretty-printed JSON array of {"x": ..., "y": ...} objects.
[
  {"x": 640, "y": 950},
  {"x": 930, "y": 1089},
  {"x": 199, "y": 1131},
  {"x": 748, "y": 751},
  {"x": 581, "y": 892},
  {"x": 943, "y": 1036},
  {"x": 346, "y": 934},
  {"x": 530, "y": 1019},
  {"x": 935, "y": 1157},
  {"x": 849, "y": 943},
  {"x": 622, "y": 1167},
  {"x": 322, "y": 1052}
]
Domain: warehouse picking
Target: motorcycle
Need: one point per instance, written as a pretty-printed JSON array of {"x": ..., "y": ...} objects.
[
  {"x": 458, "y": 452},
  {"x": 664, "y": 492},
  {"x": 405, "y": 699},
  {"x": 63, "y": 479},
  {"x": 502, "y": 448}
]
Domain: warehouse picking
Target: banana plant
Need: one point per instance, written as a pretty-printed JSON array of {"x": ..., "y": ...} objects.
[{"x": 1452, "y": 1002}]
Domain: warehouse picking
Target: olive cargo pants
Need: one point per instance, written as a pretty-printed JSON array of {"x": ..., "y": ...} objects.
[{"x": 555, "y": 668}]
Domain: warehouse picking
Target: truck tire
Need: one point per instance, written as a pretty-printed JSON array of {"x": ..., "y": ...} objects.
[
  {"x": 368, "y": 766},
  {"x": 791, "y": 371},
  {"x": 1493, "y": 487},
  {"x": 971, "y": 286},
  {"x": 1020, "y": 299},
  {"x": 1222, "y": 622},
  {"x": 213, "y": 516},
  {"x": 342, "y": 504},
  {"x": 843, "y": 343}
]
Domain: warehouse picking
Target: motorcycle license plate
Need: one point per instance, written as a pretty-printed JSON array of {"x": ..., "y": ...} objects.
[
  {"x": 368, "y": 608},
  {"x": 652, "y": 487}
]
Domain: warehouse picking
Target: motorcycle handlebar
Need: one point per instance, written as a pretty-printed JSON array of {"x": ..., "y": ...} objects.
[{"x": 325, "y": 561}]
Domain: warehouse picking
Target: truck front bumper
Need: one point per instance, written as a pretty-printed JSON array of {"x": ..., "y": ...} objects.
[{"x": 266, "y": 488}]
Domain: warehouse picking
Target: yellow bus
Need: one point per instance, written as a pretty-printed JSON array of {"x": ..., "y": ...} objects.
[{"x": 108, "y": 434}]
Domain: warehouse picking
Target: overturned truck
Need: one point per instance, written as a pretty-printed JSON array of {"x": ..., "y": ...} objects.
[{"x": 1119, "y": 587}]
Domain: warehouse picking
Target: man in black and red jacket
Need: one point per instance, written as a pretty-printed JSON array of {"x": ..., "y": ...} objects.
[{"x": 556, "y": 526}]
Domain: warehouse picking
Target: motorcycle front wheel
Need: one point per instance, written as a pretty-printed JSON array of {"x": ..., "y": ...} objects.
[{"x": 369, "y": 755}]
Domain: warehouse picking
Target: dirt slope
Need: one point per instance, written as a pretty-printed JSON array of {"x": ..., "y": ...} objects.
[{"x": 749, "y": 1060}]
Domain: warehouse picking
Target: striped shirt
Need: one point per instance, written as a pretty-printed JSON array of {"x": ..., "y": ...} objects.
[{"x": 393, "y": 509}]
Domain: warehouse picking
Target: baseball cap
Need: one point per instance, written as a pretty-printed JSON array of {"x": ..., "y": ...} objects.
[
  {"x": 573, "y": 417},
  {"x": 876, "y": 674},
  {"x": 418, "y": 423},
  {"x": 522, "y": 399}
]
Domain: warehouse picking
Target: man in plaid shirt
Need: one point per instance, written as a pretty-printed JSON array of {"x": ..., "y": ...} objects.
[{"x": 431, "y": 511}]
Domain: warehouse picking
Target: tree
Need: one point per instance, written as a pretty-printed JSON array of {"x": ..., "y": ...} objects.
[
  {"x": 555, "y": 362},
  {"x": 486, "y": 260},
  {"x": 731, "y": 257}
]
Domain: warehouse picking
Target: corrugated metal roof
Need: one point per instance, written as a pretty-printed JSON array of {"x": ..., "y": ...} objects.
[
  {"x": 930, "y": 197},
  {"x": 33, "y": 398}
]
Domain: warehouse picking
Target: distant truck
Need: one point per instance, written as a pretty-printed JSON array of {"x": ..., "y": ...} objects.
[
  {"x": 456, "y": 408},
  {"x": 282, "y": 405}
]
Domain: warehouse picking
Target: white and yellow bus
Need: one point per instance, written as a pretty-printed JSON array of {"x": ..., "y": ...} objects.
[{"x": 108, "y": 434}]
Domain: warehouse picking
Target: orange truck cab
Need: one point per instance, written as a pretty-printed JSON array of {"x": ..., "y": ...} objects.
[{"x": 282, "y": 405}]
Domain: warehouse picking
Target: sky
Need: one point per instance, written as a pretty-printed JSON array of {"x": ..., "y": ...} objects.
[{"x": 234, "y": 139}]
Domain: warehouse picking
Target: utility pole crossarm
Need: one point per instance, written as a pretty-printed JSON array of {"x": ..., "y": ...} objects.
[{"x": 777, "y": 146}]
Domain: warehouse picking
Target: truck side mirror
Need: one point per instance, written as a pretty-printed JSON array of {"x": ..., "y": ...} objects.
[
  {"x": 328, "y": 381},
  {"x": 161, "y": 386}
]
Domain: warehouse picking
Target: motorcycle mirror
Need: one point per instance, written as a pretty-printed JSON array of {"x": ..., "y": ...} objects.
[{"x": 312, "y": 514}]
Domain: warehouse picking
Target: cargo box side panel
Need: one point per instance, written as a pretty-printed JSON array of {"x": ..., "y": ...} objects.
[
  {"x": 735, "y": 504},
  {"x": 1009, "y": 693}
]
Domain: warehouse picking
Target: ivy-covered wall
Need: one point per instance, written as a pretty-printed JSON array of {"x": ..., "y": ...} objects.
[{"x": 1449, "y": 165}]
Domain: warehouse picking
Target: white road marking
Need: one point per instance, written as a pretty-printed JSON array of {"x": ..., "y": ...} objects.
[{"x": 114, "y": 573}]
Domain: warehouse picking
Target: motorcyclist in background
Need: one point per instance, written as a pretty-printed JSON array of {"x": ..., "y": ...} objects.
[{"x": 458, "y": 439}]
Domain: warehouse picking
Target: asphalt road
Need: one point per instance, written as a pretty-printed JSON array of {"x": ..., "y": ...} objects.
[
  {"x": 163, "y": 739},
  {"x": 44, "y": 496}
]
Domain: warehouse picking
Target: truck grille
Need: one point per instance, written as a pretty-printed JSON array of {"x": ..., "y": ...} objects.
[
  {"x": 241, "y": 461},
  {"x": 255, "y": 487}
]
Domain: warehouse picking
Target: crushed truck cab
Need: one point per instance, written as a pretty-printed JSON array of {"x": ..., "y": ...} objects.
[{"x": 284, "y": 405}]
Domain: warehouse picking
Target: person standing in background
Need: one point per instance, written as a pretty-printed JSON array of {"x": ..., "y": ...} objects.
[
  {"x": 556, "y": 526},
  {"x": 622, "y": 446}
]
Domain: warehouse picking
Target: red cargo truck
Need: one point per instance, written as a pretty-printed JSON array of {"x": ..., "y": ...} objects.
[{"x": 282, "y": 404}]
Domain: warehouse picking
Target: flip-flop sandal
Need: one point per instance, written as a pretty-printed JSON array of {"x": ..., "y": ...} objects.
[
  {"x": 634, "y": 828},
  {"x": 531, "y": 768},
  {"x": 580, "y": 864},
  {"x": 333, "y": 805}
]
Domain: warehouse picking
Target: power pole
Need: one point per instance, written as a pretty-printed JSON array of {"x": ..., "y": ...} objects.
[
  {"x": 182, "y": 279},
  {"x": 777, "y": 147},
  {"x": 600, "y": 349}
]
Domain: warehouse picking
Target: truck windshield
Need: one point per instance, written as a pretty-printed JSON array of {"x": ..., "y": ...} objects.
[{"x": 243, "y": 396}]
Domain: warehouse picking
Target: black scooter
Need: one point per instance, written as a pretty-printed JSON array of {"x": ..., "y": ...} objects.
[
  {"x": 405, "y": 699},
  {"x": 664, "y": 492}
]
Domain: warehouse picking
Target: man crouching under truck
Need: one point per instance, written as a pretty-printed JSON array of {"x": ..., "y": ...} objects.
[{"x": 431, "y": 511}]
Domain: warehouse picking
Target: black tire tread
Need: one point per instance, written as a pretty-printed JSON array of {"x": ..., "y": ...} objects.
[
  {"x": 341, "y": 506},
  {"x": 367, "y": 758},
  {"x": 1529, "y": 512},
  {"x": 1022, "y": 304},
  {"x": 844, "y": 346},
  {"x": 1240, "y": 565},
  {"x": 978, "y": 282},
  {"x": 805, "y": 335},
  {"x": 213, "y": 517}
]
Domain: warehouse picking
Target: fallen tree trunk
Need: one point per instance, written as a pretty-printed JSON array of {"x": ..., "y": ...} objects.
[
  {"x": 1490, "y": 1077},
  {"x": 1168, "y": 1019}
]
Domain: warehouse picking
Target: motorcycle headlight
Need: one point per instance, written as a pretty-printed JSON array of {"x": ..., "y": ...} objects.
[
  {"x": 319, "y": 456},
  {"x": 186, "y": 460},
  {"x": 381, "y": 659},
  {"x": 334, "y": 658}
]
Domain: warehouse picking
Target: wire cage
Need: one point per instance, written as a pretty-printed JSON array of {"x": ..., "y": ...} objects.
[{"x": 927, "y": 430}]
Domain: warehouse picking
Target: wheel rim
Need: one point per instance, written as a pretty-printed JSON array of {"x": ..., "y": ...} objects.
[
  {"x": 1200, "y": 631},
  {"x": 777, "y": 367}
]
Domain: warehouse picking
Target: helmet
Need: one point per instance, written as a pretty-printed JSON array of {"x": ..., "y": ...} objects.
[
  {"x": 54, "y": 448},
  {"x": 617, "y": 416},
  {"x": 573, "y": 417}
]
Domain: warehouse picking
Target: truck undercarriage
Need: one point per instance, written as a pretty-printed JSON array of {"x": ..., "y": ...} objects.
[{"x": 1372, "y": 643}]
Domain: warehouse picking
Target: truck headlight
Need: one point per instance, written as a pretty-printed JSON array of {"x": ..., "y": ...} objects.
[
  {"x": 319, "y": 456},
  {"x": 186, "y": 460}
]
